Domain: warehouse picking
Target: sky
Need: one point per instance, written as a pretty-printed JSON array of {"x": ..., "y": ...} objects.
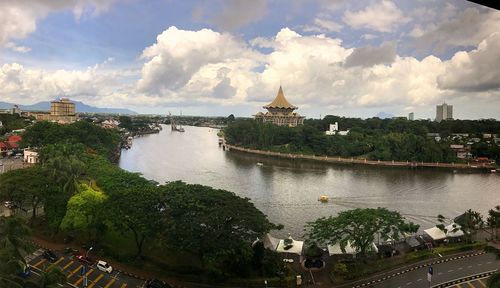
[{"x": 221, "y": 57}]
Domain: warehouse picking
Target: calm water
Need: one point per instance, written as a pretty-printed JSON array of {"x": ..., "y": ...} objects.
[{"x": 288, "y": 191}]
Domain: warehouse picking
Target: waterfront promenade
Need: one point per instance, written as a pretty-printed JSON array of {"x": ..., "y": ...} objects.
[{"x": 356, "y": 161}]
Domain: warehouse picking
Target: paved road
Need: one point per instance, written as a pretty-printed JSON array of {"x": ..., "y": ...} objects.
[
  {"x": 443, "y": 272},
  {"x": 73, "y": 268}
]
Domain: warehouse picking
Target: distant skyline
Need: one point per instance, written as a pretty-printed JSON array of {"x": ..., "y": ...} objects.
[{"x": 221, "y": 57}]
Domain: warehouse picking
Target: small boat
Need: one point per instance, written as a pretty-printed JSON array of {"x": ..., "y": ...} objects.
[
  {"x": 260, "y": 164},
  {"x": 323, "y": 198}
]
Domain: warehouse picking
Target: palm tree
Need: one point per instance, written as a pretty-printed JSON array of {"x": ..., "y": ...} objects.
[
  {"x": 493, "y": 220},
  {"x": 14, "y": 235},
  {"x": 49, "y": 278},
  {"x": 473, "y": 221}
]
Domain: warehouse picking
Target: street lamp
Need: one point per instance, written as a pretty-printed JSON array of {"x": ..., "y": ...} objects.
[{"x": 85, "y": 281}]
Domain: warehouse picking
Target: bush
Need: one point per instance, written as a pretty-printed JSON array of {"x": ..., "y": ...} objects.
[
  {"x": 494, "y": 281},
  {"x": 340, "y": 269}
]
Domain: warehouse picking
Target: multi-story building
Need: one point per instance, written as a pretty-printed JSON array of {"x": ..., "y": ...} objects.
[
  {"x": 280, "y": 112},
  {"x": 62, "y": 111},
  {"x": 444, "y": 112},
  {"x": 62, "y": 107},
  {"x": 411, "y": 116}
]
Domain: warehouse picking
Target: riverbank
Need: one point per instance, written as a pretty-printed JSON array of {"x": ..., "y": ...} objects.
[{"x": 480, "y": 167}]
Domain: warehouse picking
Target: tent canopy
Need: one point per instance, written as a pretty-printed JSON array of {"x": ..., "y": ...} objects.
[
  {"x": 437, "y": 234},
  {"x": 295, "y": 247},
  {"x": 270, "y": 242},
  {"x": 335, "y": 249}
]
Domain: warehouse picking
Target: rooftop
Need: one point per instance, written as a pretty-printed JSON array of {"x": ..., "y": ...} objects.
[{"x": 280, "y": 102}]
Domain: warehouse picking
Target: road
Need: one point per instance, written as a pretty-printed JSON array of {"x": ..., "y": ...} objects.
[
  {"x": 443, "y": 272},
  {"x": 73, "y": 269}
]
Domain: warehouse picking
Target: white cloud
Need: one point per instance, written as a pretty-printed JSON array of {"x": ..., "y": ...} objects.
[
  {"x": 323, "y": 25},
  {"x": 19, "y": 17},
  {"x": 477, "y": 70},
  {"x": 20, "y": 49},
  {"x": 382, "y": 16}
]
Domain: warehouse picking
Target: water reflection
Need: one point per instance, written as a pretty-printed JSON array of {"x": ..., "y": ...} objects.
[{"x": 287, "y": 190}]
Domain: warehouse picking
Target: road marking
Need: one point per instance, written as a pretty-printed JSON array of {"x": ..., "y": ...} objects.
[
  {"x": 489, "y": 262},
  {"x": 67, "y": 265},
  {"x": 479, "y": 264},
  {"x": 440, "y": 273},
  {"x": 458, "y": 285},
  {"x": 470, "y": 285},
  {"x": 96, "y": 280},
  {"x": 81, "y": 278},
  {"x": 39, "y": 263},
  {"x": 110, "y": 283},
  {"x": 123, "y": 285},
  {"x": 74, "y": 271},
  {"x": 58, "y": 261},
  {"x": 481, "y": 282},
  {"x": 450, "y": 270},
  {"x": 409, "y": 283},
  {"x": 470, "y": 266},
  {"x": 419, "y": 279}
]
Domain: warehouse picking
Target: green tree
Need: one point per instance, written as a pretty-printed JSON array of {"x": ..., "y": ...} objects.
[
  {"x": 358, "y": 226},
  {"x": 84, "y": 212},
  {"x": 14, "y": 236},
  {"x": 27, "y": 194},
  {"x": 471, "y": 222},
  {"x": 493, "y": 220},
  {"x": 215, "y": 225},
  {"x": 51, "y": 277},
  {"x": 136, "y": 211}
]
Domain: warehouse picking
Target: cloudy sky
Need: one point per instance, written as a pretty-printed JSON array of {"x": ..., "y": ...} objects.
[{"x": 217, "y": 57}]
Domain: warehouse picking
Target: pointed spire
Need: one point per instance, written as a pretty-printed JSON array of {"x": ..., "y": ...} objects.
[{"x": 280, "y": 101}]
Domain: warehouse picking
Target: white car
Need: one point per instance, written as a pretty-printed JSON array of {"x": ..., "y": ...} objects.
[{"x": 103, "y": 266}]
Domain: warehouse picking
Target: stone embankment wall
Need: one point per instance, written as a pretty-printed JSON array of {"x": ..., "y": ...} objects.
[{"x": 472, "y": 166}]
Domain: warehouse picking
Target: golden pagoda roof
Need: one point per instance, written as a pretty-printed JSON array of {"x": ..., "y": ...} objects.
[{"x": 280, "y": 102}]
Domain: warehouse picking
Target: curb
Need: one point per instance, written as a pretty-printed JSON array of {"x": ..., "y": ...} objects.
[
  {"x": 416, "y": 268},
  {"x": 466, "y": 279}
]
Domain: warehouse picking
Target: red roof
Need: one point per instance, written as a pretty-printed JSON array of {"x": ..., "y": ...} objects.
[
  {"x": 3, "y": 145},
  {"x": 15, "y": 138},
  {"x": 12, "y": 145}
]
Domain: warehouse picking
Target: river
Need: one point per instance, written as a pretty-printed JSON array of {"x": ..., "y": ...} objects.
[{"x": 287, "y": 191}]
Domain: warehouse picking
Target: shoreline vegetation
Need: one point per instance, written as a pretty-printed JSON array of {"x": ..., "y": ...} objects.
[
  {"x": 355, "y": 161},
  {"x": 450, "y": 144}
]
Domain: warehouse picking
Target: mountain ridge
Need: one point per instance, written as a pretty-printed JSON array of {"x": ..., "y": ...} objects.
[{"x": 79, "y": 106}]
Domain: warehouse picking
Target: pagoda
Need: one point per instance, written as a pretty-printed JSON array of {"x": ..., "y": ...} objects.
[{"x": 280, "y": 112}]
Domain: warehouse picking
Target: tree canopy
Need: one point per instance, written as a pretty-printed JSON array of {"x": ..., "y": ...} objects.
[{"x": 357, "y": 226}]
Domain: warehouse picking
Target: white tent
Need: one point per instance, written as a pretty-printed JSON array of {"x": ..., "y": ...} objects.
[
  {"x": 451, "y": 227},
  {"x": 437, "y": 234},
  {"x": 270, "y": 242},
  {"x": 295, "y": 247},
  {"x": 336, "y": 250}
]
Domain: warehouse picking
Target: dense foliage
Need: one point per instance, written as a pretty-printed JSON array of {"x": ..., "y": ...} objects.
[
  {"x": 358, "y": 227},
  {"x": 93, "y": 137},
  {"x": 12, "y": 122},
  {"x": 374, "y": 138},
  {"x": 86, "y": 196}
]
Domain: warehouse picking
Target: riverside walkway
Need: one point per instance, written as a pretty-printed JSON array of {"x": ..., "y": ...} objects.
[{"x": 410, "y": 164}]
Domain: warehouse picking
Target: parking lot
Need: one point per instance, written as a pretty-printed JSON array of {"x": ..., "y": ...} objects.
[
  {"x": 73, "y": 269},
  {"x": 10, "y": 163}
]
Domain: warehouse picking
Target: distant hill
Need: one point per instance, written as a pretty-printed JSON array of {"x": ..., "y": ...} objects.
[
  {"x": 383, "y": 115},
  {"x": 80, "y": 108}
]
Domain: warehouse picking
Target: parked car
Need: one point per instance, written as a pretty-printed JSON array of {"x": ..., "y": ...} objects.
[
  {"x": 155, "y": 283},
  {"x": 85, "y": 260},
  {"x": 50, "y": 255},
  {"x": 72, "y": 251},
  {"x": 103, "y": 266}
]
